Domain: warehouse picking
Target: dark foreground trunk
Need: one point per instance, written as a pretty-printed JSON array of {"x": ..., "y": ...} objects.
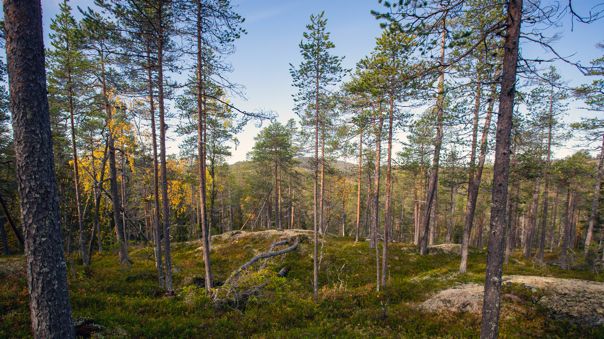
[
  {"x": 501, "y": 171},
  {"x": 46, "y": 268}
]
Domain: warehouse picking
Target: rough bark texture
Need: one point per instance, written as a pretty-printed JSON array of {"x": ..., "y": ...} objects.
[
  {"x": 46, "y": 269},
  {"x": 501, "y": 172}
]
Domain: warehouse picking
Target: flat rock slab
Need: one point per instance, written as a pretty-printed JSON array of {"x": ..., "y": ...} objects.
[{"x": 579, "y": 301}]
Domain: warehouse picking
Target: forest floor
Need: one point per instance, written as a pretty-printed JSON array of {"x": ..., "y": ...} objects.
[{"x": 126, "y": 302}]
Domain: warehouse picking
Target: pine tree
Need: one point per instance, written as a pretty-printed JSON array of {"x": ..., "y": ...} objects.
[{"x": 316, "y": 74}]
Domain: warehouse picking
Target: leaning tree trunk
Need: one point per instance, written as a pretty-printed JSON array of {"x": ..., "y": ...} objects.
[
  {"x": 501, "y": 171},
  {"x": 474, "y": 184},
  {"x": 595, "y": 200},
  {"x": 46, "y": 268},
  {"x": 201, "y": 133},
  {"x": 433, "y": 183}
]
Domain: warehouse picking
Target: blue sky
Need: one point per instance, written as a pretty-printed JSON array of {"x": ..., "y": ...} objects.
[{"x": 261, "y": 61}]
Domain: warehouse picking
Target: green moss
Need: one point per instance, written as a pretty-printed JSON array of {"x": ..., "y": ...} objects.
[{"x": 128, "y": 301}]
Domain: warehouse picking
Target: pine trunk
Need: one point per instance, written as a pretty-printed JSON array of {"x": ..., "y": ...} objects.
[
  {"x": 46, "y": 268},
  {"x": 501, "y": 170}
]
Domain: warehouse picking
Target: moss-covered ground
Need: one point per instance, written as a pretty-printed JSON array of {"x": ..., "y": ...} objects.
[{"x": 127, "y": 302}]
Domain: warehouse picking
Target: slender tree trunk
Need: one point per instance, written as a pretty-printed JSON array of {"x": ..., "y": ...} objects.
[
  {"x": 388, "y": 202},
  {"x": 451, "y": 220},
  {"x": 359, "y": 177},
  {"x": 162, "y": 153},
  {"x": 277, "y": 198},
  {"x": 543, "y": 225},
  {"x": 554, "y": 220},
  {"x": 474, "y": 184},
  {"x": 530, "y": 233},
  {"x": 433, "y": 183},
  {"x": 201, "y": 116},
  {"x": 322, "y": 226},
  {"x": 46, "y": 268},
  {"x": 115, "y": 197},
  {"x": 156, "y": 207},
  {"x": 595, "y": 200},
  {"x": 566, "y": 233},
  {"x": 376, "y": 194},
  {"x": 501, "y": 170},
  {"x": 74, "y": 152}
]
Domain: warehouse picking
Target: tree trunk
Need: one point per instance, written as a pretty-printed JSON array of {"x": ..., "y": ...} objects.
[
  {"x": 433, "y": 183},
  {"x": 322, "y": 226},
  {"x": 74, "y": 152},
  {"x": 46, "y": 268},
  {"x": 388, "y": 202},
  {"x": 474, "y": 184},
  {"x": 530, "y": 232},
  {"x": 566, "y": 233},
  {"x": 156, "y": 216},
  {"x": 359, "y": 176},
  {"x": 543, "y": 225},
  {"x": 115, "y": 197},
  {"x": 376, "y": 194},
  {"x": 162, "y": 153},
  {"x": 595, "y": 200},
  {"x": 451, "y": 220},
  {"x": 201, "y": 134},
  {"x": 501, "y": 170},
  {"x": 554, "y": 220},
  {"x": 277, "y": 198}
]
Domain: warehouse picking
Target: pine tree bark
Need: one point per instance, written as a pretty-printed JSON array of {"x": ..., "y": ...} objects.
[
  {"x": 49, "y": 306},
  {"x": 501, "y": 170},
  {"x": 593, "y": 214}
]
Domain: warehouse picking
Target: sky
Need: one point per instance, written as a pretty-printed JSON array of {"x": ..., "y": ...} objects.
[{"x": 274, "y": 28}]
